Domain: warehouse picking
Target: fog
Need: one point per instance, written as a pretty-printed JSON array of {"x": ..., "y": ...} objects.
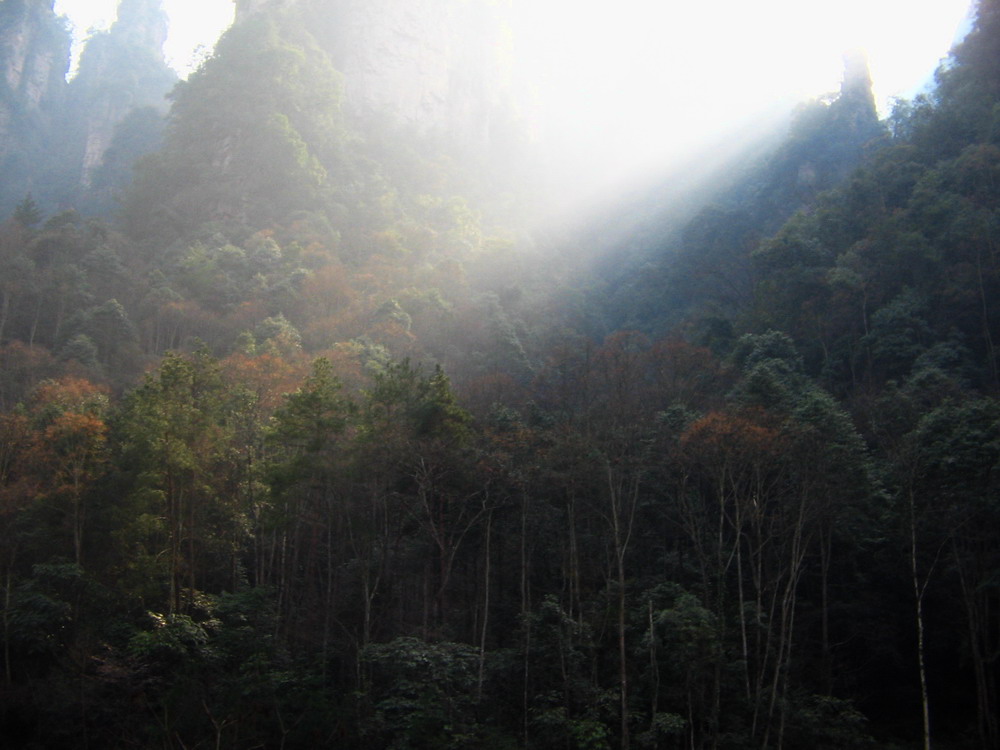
[
  {"x": 617, "y": 94},
  {"x": 194, "y": 27},
  {"x": 630, "y": 89}
]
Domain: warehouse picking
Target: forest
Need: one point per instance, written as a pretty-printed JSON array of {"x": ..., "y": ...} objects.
[{"x": 309, "y": 438}]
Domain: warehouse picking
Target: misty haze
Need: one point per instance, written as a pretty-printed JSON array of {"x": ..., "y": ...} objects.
[{"x": 427, "y": 374}]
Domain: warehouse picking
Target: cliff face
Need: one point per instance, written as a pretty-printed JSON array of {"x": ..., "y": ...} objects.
[
  {"x": 428, "y": 63},
  {"x": 856, "y": 100},
  {"x": 34, "y": 59},
  {"x": 121, "y": 70},
  {"x": 54, "y": 135},
  {"x": 439, "y": 66}
]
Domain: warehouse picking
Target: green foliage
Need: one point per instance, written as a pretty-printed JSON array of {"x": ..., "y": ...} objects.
[
  {"x": 958, "y": 447},
  {"x": 253, "y": 134},
  {"x": 422, "y": 694},
  {"x": 771, "y": 346},
  {"x": 344, "y": 556},
  {"x": 174, "y": 433},
  {"x": 171, "y": 641},
  {"x": 828, "y": 723},
  {"x": 568, "y": 708},
  {"x": 277, "y": 333},
  {"x": 898, "y": 334},
  {"x": 424, "y": 405},
  {"x": 37, "y": 617},
  {"x": 315, "y": 415},
  {"x": 27, "y": 213},
  {"x": 82, "y": 349}
]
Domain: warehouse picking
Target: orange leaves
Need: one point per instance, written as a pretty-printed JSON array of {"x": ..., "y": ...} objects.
[
  {"x": 629, "y": 379},
  {"x": 268, "y": 376},
  {"x": 731, "y": 447},
  {"x": 686, "y": 372},
  {"x": 69, "y": 440},
  {"x": 68, "y": 427},
  {"x": 620, "y": 362},
  {"x": 71, "y": 432},
  {"x": 328, "y": 291},
  {"x": 55, "y": 452},
  {"x": 718, "y": 431},
  {"x": 69, "y": 393}
]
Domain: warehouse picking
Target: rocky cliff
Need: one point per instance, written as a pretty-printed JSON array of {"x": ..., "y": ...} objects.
[
  {"x": 34, "y": 55},
  {"x": 34, "y": 59},
  {"x": 121, "y": 70},
  {"x": 440, "y": 66},
  {"x": 54, "y": 135}
]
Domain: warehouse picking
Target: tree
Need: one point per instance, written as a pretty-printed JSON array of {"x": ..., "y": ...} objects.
[
  {"x": 174, "y": 434},
  {"x": 27, "y": 213},
  {"x": 953, "y": 504},
  {"x": 70, "y": 451},
  {"x": 252, "y": 157},
  {"x": 307, "y": 500}
]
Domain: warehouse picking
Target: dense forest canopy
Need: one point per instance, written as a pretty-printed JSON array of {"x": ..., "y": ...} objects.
[{"x": 314, "y": 441}]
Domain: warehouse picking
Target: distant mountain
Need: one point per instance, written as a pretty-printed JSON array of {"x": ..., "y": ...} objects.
[
  {"x": 120, "y": 70},
  {"x": 55, "y": 135},
  {"x": 329, "y": 108},
  {"x": 436, "y": 65},
  {"x": 319, "y": 446},
  {"x": 674, "y": 267},
  {"x": 34, "y": 60}
]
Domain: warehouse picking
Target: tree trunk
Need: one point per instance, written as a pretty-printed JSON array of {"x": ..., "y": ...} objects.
[
  {"x": 623, "y": 496},
  {"x": 4, "y": 311},
  {"x": 486, "y": 607},
  {"x": 918, "y": 594},
  {"x": 6, "y": 621},
  {"x": 525, "y": 618}
]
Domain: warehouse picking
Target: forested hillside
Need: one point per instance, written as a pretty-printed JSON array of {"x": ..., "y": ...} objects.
[{"x": 316, "y": 442}]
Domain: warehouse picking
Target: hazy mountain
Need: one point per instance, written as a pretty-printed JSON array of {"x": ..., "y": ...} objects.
[
  {"x": 320, "y": 444},
  {"x": 54, "y": 134},
  {"x": 121, "y": 70},
  {"x": 34, "y": 60},
  {"x": 437, "y": 65}
]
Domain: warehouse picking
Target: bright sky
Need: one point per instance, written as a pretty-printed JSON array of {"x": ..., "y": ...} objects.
[
  {"x": 193, "y": 24},
  {"x": 644, "y": 81},
  {"x": 640, "y": 81}
]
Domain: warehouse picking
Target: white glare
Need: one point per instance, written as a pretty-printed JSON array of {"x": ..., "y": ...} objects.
[
  {"x": 194, "y": 26},
  {"x": 642, "y": 83},
  {"x": 636, "y": 83}
]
